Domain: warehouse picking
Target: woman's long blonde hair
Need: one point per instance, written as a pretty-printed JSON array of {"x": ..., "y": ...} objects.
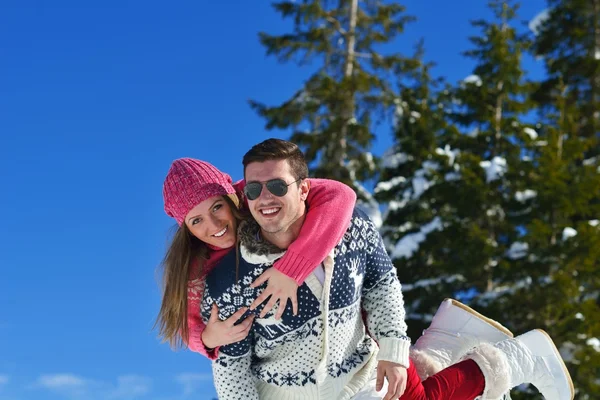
[{"x": 184, "y": 251}]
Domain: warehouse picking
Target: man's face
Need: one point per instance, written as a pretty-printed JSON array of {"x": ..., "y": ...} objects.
[{"x": 276, "y": 214}]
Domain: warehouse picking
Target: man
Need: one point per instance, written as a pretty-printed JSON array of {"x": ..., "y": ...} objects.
[{"x": 324, "y": 351}]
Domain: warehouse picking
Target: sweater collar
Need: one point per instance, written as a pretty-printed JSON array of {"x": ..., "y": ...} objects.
[{"x": 254, "y": 248}]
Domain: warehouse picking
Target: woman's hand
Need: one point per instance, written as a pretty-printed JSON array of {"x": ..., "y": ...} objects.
[
  {"x": 220, "y": 333},
  {"x": 281, "y": 288}
]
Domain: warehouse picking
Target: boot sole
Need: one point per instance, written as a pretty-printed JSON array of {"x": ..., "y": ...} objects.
[
  {"x": 567, "y": 375},
  {"x": 487, "y": 320}
]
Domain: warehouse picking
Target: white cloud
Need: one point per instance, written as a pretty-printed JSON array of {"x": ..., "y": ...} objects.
[
  {"x": 131, "y": 386},
  {"x": 77, "y": 387},
  {"x": 68, "y": 385},
  {"x": 59, "y": 381},
  {"x": 191, "y": 382}
]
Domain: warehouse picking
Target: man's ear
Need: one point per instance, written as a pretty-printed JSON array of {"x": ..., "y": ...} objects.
[{"x": 304, "y": 189}]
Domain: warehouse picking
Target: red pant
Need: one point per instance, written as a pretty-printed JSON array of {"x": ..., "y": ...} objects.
[{"x": 462, "y": 381}]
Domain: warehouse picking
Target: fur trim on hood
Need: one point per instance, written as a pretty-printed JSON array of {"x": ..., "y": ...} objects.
[{"x": 253, "y": 247}]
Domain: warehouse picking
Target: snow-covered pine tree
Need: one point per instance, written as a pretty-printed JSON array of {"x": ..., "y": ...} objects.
[
  {"x": 559, "y": 262},
  {"x": 410, "y": 168},
  {"x": 333, "y": 116},
  {"x": 447, "y": 225}
]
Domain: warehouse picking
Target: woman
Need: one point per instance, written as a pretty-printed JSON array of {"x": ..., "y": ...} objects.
[
  {"x": 194, "y": 251},
  {"x": 199, "y": 199}
]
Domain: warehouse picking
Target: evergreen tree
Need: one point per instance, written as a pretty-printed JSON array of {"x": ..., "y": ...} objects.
[
  {"x": 449, "y": 226},
  {"x": 560, "y": 263},
  {"x": 569, "y": 42},
  {"x": 334, "y": 114}
]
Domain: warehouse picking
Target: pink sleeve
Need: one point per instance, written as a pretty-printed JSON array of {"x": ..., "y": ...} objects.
[
  {"x": 196, "y": 327},
  {"x": 330, "y": 206}
]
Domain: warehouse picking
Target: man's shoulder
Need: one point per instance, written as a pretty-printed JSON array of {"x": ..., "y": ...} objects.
[{"x": 360, "y": 219}]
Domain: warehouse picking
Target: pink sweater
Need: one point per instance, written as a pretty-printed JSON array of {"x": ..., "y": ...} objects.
[{"x": 330, "y": 204}]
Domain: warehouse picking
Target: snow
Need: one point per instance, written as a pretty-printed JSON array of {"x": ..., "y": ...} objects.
[
  {"x": 595, "y": 343},
  {"x": 372, "y": 210},
  {"x": 406, "y": 287},
  {"x": 597, "y": 54},
  {"x": 536, "y": 23},
  {"x": 568, "y": 233},
  {"x": 392, "y": 158},
  {"x": 531, "y": 133},
  {"x": 494, "y": 169},
  {"x": 590, "y": 161},
  {"x": 517, "y": 250},
  {"x": 452, "y": 176},
  {"x": 594, "y": 222},
  {"x": 410, "y": 243},
  {"x": 474, "y": 132},
  {"x": 396, "y": 205},
  {"x": 579, "y": 316},
  {"x": 415, "y": 114},
  {"x": 567, "y": 350},
  {"x": 405, "y": 227},
  {"x": 387, "y": 185},
  {"x": 523, "y": 196},
  {"x": 502, "y": 290},
  {"x": 420, "y": 185},
  {"x": 541, "y": 143},
  {"x": 370, "y": 206},
  {"x": 448, "y": 152},
  {"x": 370, "y": 161},
  {"x": 474, "y": 79}
]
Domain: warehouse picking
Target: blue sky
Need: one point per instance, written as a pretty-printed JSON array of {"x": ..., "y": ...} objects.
[{"x": 96, "y": 99}]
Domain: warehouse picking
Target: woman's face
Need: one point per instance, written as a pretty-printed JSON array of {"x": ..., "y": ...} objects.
[{"x": 213, "y": 222}]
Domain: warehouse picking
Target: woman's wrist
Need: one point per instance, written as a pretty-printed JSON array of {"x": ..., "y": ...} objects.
[{"x": 206, "y": 343}]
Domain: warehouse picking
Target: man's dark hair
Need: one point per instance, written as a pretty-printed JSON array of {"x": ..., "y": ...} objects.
[{"x": 277, "y": 149}]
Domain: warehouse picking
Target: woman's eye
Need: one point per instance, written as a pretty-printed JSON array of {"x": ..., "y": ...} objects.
[
  {"x": 196, "y": 221},
  {"x": 217, "y": 207}
]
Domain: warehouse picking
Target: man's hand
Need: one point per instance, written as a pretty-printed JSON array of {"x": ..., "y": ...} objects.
[
  {"x": 396, "y": 377},
  {"x": 281, "y": 288}
]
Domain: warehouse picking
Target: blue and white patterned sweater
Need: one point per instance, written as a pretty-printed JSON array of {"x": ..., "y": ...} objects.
[{"x": 324, "y": 352}]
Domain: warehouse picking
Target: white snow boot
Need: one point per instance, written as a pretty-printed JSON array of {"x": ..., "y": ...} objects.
[
  {"x": 529, "y": 358},
  {"x": 455, "y": 329}
]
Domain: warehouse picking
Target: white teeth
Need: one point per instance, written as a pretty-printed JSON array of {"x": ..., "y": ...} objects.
[
  {"x": 221, "y": 233},
  {"x": 270, "y": 211}
]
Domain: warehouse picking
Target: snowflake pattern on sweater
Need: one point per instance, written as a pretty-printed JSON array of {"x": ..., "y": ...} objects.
[{"x": 325, "y": 349}]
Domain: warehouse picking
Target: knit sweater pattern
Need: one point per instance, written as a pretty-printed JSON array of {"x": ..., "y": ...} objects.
[{"x": 325, "y": 351}]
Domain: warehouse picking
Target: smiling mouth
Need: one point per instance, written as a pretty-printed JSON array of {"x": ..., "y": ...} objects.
[
  {"x": 220, "y": 233},
  {"x": 269, "y": 212}
]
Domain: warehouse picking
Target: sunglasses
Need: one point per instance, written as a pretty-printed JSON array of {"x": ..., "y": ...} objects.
[{"x": 278, "y": 187}]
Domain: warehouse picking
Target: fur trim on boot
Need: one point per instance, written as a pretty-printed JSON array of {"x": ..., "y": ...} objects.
[
  {"x": 424, "y": 363},
  {"x": 495, "y": 368}
]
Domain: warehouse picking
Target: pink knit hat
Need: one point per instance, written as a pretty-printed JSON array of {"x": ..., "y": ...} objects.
[{"x": 190, "y": 182}]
